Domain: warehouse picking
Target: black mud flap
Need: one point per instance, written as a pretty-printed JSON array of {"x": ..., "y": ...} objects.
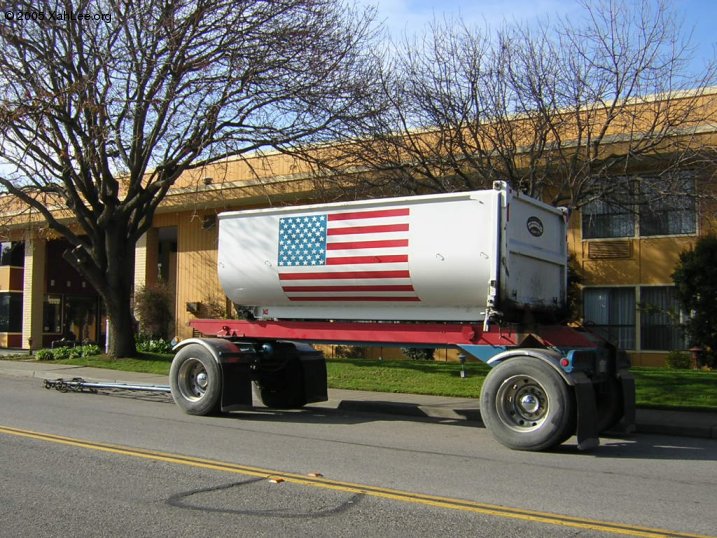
[
  {"x": 588, "y": 436},
  {"x": 291, "y": 374},
  {"x": 236, "y": 386},
  {"x": 314, "y": 368},
  {"x": 627, "y": 382}
]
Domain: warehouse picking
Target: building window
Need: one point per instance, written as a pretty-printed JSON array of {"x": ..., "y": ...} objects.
[
  {"x": 11, "y": 312},
  {"x": 609, "y": 218},
  {"x": 642, "y": 201},
  {"x": 12, "y": 253},
  {"x": 659, "y": 319},
  {"x": 668, "y": 215},
  {"x": 611, "y": 313},
  {"x": 52, "y": 314}
]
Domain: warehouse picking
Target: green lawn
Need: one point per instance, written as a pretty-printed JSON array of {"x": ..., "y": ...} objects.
[
  {"x": 419, "y": 377},
  {"x": 664, "y": 387},
  {"x": 656, "y": 387},
  {"x": 148, "y": 363}
]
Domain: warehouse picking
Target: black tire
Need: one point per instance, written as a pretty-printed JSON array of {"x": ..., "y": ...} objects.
[
  {"x": 608, "y": 403},
  {"x": 283, "y": 389},
  {"x": 527, "y": 405},
  {"x": 195, "y": 380}
]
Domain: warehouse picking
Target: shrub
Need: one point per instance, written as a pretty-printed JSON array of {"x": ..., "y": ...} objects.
[
  {"x": 61, "y": 353},
  {"x": 418, "y": 353},
  {"x": 706, "y": 359},
  {"x": 88, "y": 350},
  {"x": 695, "y": 280},
  {"x": 350, "y": 352},
  {"x": 44, "y": 355},
  {"x": 678, "y": 359},
  {"x": 574, "y": 305},
  {"x": 147, "y": 344},
  {"x": 153, "y": 306}
]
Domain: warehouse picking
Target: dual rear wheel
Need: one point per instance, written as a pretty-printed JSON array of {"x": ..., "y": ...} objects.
[{"x": 196, "y": 382}]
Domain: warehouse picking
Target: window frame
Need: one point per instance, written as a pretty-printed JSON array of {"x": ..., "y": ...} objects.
[
  {"x": 608, "y": 211},
  {"x": 623, "y": 335},
  {"x": 676, "y": 340},
  {"x": 11, "y": 313},
  {"x": 660, "y": 210},
  {"x": 633, "y": 219},
  {"x": 12, "y": 253}
]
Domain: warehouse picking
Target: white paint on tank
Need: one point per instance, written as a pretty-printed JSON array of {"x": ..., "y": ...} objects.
[{"x": 412, "y": 258}]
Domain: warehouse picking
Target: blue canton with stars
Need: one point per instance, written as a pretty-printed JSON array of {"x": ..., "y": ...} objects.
[{"x": 302, "y": 241}]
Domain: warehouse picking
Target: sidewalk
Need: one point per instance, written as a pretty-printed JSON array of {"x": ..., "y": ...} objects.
[{"x": 701, "y": 424}]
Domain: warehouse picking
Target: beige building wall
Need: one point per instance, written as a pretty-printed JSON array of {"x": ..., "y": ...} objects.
[
  {"x": 141, "y": 266},
  {"x": 33, "y": 292},
  {"x": 197, "y": 281}
]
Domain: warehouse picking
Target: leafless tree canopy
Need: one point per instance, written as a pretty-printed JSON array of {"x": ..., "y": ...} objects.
[
  {"x": 102, "y": 115},
  {"x": 554, "y": 109}
]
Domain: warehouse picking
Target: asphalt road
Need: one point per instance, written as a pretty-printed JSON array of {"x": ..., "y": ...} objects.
[{"x": 126, "y": 464}]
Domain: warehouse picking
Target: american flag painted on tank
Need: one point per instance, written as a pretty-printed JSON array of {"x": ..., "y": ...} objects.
[{"x": 352, "y": 256}]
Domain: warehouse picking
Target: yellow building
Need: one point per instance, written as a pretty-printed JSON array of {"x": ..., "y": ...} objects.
[
  {"x": 626, "y": 256},
  {"x": 627, "y": 260}
]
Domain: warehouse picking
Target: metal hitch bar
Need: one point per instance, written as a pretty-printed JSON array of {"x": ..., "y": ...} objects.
[{"x": 77, "y": 384}]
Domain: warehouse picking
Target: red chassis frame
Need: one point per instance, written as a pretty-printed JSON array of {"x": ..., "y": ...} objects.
[{"x": 419, "y": 334}]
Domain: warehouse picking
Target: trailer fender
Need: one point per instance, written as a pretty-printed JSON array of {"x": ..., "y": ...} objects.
[
  {"x": 234, "y": 364},
  {"x": 547, "y": 356}
]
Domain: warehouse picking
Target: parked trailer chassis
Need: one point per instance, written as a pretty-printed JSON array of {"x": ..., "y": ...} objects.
[{"x": 545, "y": 385}]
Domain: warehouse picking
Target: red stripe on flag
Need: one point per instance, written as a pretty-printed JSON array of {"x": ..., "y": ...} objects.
[
  {"x": 380, "y": 228},
  {"x": 388, "y": 287},
  {"x": 378, "y": 213},
  {"x": 348, "y": 260},
  {"x": 386, "y": 243},
  {"x": 328, "y": 275}
]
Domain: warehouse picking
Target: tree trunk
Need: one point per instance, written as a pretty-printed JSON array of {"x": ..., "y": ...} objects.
[
  {"x": 121, "y": 330},
  {"x": 117, "y": 295}
]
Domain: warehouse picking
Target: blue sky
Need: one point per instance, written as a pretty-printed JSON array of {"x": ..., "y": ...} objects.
[{"x": 408, "y": 16}]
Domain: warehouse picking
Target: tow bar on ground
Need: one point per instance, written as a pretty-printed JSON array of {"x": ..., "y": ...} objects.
[{"x": 77, "y": 384}]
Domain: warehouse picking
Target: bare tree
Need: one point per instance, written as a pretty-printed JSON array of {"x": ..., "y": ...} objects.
[
  {"x": 558, "y": 110},
  {"x": 105, "y": 103}
]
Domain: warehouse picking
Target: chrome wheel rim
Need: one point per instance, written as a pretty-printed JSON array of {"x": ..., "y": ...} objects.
[
  {"x": 522, "y": 403},
  {"x": 193, "y": 379}
]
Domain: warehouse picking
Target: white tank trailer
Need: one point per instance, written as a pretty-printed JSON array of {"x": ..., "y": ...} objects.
[
  {"x": 484, "y": 272},
  {"x": 447, "y": 257}
]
